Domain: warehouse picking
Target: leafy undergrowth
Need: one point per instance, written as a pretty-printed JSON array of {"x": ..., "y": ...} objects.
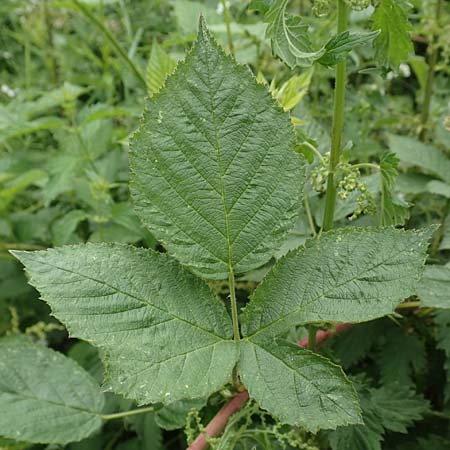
[{"x": 234, "y": 222}]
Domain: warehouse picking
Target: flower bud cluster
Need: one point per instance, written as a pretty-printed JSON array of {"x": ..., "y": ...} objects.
[
  {"x": 321, "y": 8},
  {"x": 358, "y": 5}
]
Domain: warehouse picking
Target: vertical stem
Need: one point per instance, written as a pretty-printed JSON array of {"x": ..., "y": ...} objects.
[
  {"x": 428, "y": 94},
  {"x": 309, "y": 215},
  {"x": 338, "y": 123},
  {"x": 27, "y": 65},
  {"x": 234, "y": 310},
  {"x": 50, "y": 43},
  {"x": 226, "y": 16}
]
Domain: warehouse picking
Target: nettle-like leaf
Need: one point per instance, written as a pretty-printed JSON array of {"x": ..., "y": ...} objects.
[
  {"x": 44, "y": 396},
  {"x": 214, "y": 174},
  {"x": 393, "y": 210},
  {"x": 393, "y": 45},
  {"x": 289, "y": 37},
  {"x": 350, "y": 275},
  {"x": 164, "y": 335}
]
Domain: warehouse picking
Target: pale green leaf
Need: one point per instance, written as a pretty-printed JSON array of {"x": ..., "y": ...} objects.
[
  {"x": 439, "y": 188},
  {"x": 297, "y": 386},
  {"x": 163, "y": 334},
  {"x": 425, "y": 156},
  {"x": 393, "y": 45},
  {"x": 159, "y": 66},
  {"x": 434, "y": 288},
  {"x": 44, "y": 396},
  {"x": 350, "y": 275},
  {"x": 214, "y": 174},
  {"x": 289, "y": 37},
  {"x": 173, "y": 416}
]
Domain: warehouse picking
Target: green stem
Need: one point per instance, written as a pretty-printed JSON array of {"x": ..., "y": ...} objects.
[
  {"x": 409, "y": 305},
  {"x": 440, "y": 232},
  {"x": 51, "y": 47},
  {"x": 309, "y": 215},
  {"x": 122, "y": 414},
  {"x": 430, "y": 78},
  {"x": 112, "y": 40},
  {"x": 338, "y": 123},
  {"x": 226, "y": 16},
  {"x": 234, "y": 309}
]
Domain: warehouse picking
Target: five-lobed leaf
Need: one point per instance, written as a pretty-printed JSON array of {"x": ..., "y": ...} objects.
[
  {"x": 214, "y": 173},
  {"x": 164, "y": 336},
  {"x": 350, "y": 275},
  {"x": 44, "y": 396},
  {"x": 297, "y": 386}
]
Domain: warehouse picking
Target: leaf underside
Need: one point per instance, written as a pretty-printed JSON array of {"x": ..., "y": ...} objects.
[
  {"x": 214, "y": 175},
  {"x": 44, "y": 396},
  {"x": 164, "y": 335}
]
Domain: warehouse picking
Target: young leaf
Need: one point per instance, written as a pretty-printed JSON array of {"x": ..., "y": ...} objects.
[
  {"x": 393, "y": 45},
  {"x": 338, "y": 47},
  {"x": 350, "y": 275},
  {"x": 44, "y": 396},
  {"x": 289, "y": 37},
  {"x": 159, "y": 66},
  {"x": 393, "y": 211},
  {"x": 164, "y": 335},
  {"x": 434, "y": 288},
  {"x": 214, "y": 173},
  {"x": 297, "y": 386}
]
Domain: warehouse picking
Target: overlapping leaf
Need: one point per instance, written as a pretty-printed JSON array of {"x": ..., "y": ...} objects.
[
  {"x": 350, "y": 275},
  {"x": 214, "y": 174},
  {"x": 434, "y": 288},
  {"x": 163, "y": 334},
  {"x": 44, "y": 396}
]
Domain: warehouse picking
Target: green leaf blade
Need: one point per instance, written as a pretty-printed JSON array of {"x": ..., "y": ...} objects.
[
  {"x": 214, "y": 174},
  {"x": 298, "y": 387},
  {"x": 45, "y": 397},
  {"x": 434, "y": 288},
  {"x": 164, "y": 336},
  {"x": 350, "y": 275}
]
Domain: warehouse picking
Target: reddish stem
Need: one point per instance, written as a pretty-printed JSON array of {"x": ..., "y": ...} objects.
[{"x": 219, "y": 422}]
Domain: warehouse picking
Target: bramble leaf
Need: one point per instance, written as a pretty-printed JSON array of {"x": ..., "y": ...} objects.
[
  {"x": 350, "y": 275},
  {"x": 393, "y": 45},
  {"x": 44, "y": 396},
  {"x": 214, "y": 173},
  {"x": 164, "y": 336},
  {"x": 297, "y": 386}
]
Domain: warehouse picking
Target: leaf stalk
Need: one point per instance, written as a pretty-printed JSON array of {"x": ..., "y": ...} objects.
[
  {"x": 226, "y": 16},
  {"x": 234, "y": 309},
  {"x": 122, "y": 414}
]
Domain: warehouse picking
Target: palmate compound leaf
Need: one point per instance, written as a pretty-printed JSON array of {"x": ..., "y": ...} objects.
[
  {"x": 44, "y": 396},
  {"x": 164, "y": 336},
  {"x": 350, "y": 275},
  {"x": 214, "y": 173}
]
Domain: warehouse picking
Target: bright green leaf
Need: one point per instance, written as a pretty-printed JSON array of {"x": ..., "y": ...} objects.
[
  {"x": 159, "y": 66},
  {"x": 214, "y": 173},
  {"x": 44, "y": 396},
  {"x": 297, "y": 386},
  {"x": 350, "y": 275},
  {"x": 163, "y": 334}
]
